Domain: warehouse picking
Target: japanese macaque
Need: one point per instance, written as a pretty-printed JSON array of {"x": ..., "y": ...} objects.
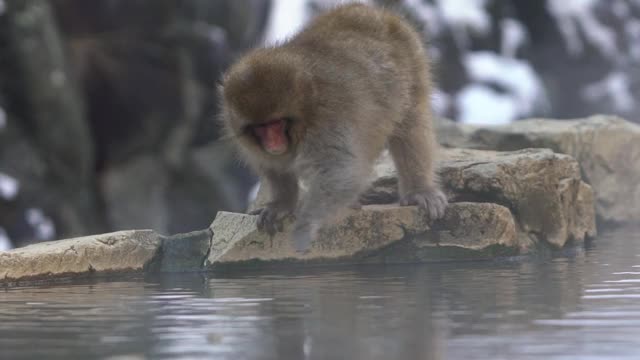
[{"x": 324, "y": 105}]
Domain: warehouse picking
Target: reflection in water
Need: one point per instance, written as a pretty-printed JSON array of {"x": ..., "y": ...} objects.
[{"x": 571, "y": 307}]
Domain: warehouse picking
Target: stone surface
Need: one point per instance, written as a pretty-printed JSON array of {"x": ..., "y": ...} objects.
[
  {"x": 503, "y": 204},
  {"x": 368, "y": 235},
  {"x": 542, "y": 189},
  {"x": 185, "y": 252},
  {"x": 376, "y": 234},
  {"x": 606, "y": 147},
  {"x": 468, "y": 231},
  {"x": 236, "y": 237},
  {"x": 452, "y": 134},
  {"x": 124, "y": 251},
  {"x": 473, "y": 226}
]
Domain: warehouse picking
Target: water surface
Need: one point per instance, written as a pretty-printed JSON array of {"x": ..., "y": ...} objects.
[{"x": 581, "y": 305}]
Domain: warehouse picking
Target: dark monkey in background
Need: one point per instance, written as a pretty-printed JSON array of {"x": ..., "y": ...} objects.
[{"x": 322, "y": 107}]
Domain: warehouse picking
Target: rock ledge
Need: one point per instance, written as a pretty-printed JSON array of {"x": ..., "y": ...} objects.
[{"x": 503, "y": 204}]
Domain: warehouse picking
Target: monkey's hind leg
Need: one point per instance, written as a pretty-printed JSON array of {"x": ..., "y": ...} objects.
[{"x": 413, "y": 150}]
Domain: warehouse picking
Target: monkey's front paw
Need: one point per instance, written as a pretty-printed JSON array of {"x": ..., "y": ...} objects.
[
  {"x": 303, "y": 235},
  {"x": 271, "y": 218},
  {"x": 433, "y": 201}
]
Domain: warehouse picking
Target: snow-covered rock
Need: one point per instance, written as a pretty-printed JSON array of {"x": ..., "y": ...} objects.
[{"x": 9, "y": 187}]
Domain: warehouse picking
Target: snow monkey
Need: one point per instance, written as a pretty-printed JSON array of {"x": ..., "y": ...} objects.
[{"x": 322, "y": 107}]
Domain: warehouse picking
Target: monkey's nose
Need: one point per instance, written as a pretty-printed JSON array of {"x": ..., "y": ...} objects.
[{"x": 273, "y": 138}]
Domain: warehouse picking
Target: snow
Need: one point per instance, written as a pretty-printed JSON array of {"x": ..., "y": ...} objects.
[
  {"x": 462, "y": 17},
  {"x": 576, "y": 17},
  {"x": 327, "y": 4},
  {"x": 287, "y": 17},
  {"x": 465, "y": 16},
  {"x": 517, "y": 76},
  {"x": 616, "y": 88},
  {"x": 479, "y": 104},
  {"x": 3, "y": 117},
  {"x": 43, "y": 225},
  {"x": 5, "y": 242},
  {"x": 470, "y": 14},
  {"x": 427, "y": 14},
  {"x": 215, "y": 34},
  {"x": 9, "y": 187},
  {"x": 514, "y": 35}
]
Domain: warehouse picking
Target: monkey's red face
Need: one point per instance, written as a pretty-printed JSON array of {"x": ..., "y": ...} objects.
[{"x": 272, "y": 136}]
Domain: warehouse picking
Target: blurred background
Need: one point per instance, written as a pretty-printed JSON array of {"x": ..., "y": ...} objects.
[{"x": 108, "y": 107}]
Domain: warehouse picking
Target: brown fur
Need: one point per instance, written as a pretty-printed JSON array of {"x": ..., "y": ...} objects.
[{"x": 355, "y": 80}]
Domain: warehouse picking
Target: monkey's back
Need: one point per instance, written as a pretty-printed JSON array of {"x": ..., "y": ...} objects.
[{"x": 369, "y": 57}]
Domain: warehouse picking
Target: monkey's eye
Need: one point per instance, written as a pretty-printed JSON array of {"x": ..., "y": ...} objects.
[
  {"x": 287, "y": 128},
  {"x": 247, "y": 130},
  {"x": 288, "y": 120}
]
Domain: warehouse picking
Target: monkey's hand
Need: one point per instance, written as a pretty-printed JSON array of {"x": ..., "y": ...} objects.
[
  {"x": 271, "y": 217},
  {"x": 432, "y": 200}
]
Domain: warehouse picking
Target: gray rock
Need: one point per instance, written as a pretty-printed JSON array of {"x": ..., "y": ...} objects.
[
  {"x": 125, "y": 251},
  {"x": 185, "y": 252},
  {"x": 375, "y": 234},
  {"x": 452, "y": 134},
  {"x": 505, "y": 203},
  {"x": 544, "y": 191},
  {"x": 236, "y": 238},
  {"x": 369, "y": 235},
  {"x": 606, "y": 147}
]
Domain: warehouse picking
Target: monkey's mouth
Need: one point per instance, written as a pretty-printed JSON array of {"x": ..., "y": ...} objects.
[{"x": 273, "y": 136}]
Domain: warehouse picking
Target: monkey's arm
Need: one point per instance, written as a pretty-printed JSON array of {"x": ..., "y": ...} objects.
[
  {"x": 283, "y": 188},
  {"x": 336, "y": 176}
]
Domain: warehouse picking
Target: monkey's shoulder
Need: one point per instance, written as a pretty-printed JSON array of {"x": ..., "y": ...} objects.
[{"x": 355, "y": 20}]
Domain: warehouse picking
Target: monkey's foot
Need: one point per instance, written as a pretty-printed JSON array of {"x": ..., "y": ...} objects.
[
  {"x": 271, "y": 218},
  {"x": 433, "y": 201}
]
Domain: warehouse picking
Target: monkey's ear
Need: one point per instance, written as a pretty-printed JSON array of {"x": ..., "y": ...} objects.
[{"x": 220, "y": 88}]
